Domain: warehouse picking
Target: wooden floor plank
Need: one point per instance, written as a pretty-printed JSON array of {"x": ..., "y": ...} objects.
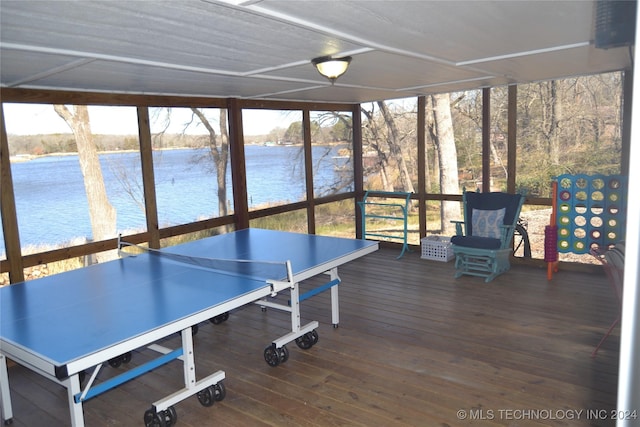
[{"x": 414, "y": 347}]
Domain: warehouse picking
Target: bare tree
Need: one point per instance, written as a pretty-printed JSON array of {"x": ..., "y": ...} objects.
[
  {"x": 551, "y": 118},
  {"x": 440, "y": 127},
  {"x": 333, "y": 127},
  {"x": 374, "y": 139},
  {"x": 101, "y": 212},
  {"x": 395, "y": 147},
  {"x": 219, "y": 150}
]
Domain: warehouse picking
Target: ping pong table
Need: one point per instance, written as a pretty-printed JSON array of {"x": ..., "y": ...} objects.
[{"x": 68, "y": 326}]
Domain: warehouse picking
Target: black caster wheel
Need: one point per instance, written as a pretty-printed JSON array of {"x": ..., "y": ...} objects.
[
  {"x": 171, "y": 416},
  {"x": 166, "y": 418},
  {"x": 206, "y": 396},
  {"x": 115, "y": 362},
  {"x": 220, "y": 318},
  {"x": 154, "y": 419},
  {"x": 271, "y": 356},
  {"x": 275, "y": 356},
  {"x": 119, "y": 360},
  {"x": 219, "y": 392},
  {"x": 305, "y": 341},
  {"x": 283, "y": 353}
]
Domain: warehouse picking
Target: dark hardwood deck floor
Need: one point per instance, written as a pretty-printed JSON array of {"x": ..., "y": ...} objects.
[{"x": 415, "y": 347}]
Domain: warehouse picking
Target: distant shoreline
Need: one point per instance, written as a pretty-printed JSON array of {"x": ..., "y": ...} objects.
[{"x": 21, "y": 158}]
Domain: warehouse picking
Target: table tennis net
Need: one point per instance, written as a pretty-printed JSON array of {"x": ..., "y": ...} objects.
[{"x": 253, "y": 269}]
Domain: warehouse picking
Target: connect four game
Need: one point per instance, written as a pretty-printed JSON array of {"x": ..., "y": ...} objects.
[{"x": 591, "y": 211}]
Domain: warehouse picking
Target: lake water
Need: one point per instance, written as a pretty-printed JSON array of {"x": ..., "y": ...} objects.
[{"x": 52, "y": 207}]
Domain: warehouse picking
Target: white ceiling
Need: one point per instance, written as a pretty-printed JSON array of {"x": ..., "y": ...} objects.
[{"x": 262, "y": 49}]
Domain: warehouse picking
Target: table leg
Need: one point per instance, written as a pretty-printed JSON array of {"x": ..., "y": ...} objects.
[
  {"x": 75, "y": 408},
  {"x": 191, "y": 387},
  {"x": 295, "y": 308},
  {"x": 189, "y": 364},
  {"x": 5, "y": 396},
  {"x": 335, "y": 304}
]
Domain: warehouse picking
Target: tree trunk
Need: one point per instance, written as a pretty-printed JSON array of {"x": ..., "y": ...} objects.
[
  {"x": 556, "y": 117},
  {"x": 395, "y": 148},
  {"x": 497, "y": 160},
  {"x": 447, "y": 158},
  {"x": 381, "y": 153},
  {"x": 221, "y": 166},
  {"x": 551, "y": 117},
  {"x": 220, "y": 155},
  {"x": 101, "y": 212}
]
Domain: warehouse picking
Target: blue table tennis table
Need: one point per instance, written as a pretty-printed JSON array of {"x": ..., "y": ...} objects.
[{"x": 68, "y": 326}]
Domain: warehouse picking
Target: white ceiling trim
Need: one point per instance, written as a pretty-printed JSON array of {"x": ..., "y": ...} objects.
[
  {"x": 69, "y": 66},
  {"x": 88, "y": 57},
  {"x": 527, "y": 53},
  {"x": 284, "y": 92},
  {"x": 255, "y": 73},
  {"x": 308, "y": 25},
  {"x": 115, "y": 58},
  {"x": 475, "y": 79}
]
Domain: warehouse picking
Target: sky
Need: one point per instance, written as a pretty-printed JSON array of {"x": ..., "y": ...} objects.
[
  {"x": 35, "y": 119},
  {"x": 38, "y": 119}
]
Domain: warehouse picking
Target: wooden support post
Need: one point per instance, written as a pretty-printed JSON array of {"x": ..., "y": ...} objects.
[
  {"x": 422, "y": 161},
  {"x": 238, "y": 165},
  {"x": 512, "y": 127},
  {"x": 358, "y": 167},
  {"x": 308, "y": 167},
  {"x": 486, "y": 140},
  {"x": 8, "y": 209},
  {"x": 148, "y": 177}
]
